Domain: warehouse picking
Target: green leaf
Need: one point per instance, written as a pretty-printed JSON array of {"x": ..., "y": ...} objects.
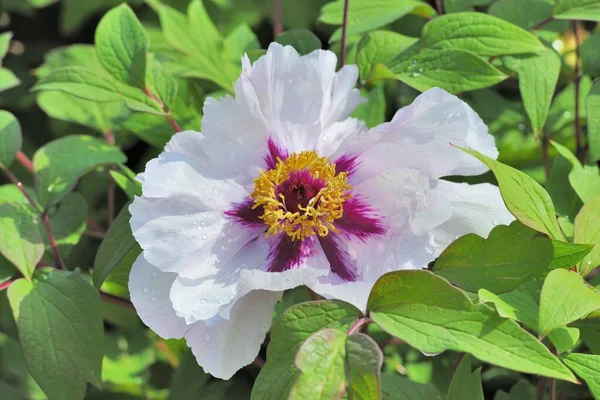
[
  {"x": 465, "y": 384},
  {"x": 395, "y": 387},
  {"x": 452, "y": 70},
  {"x": 127, "y": 181},
  {"x": 373, "y": 111},
  {"x": 593, "y": 115},
  {"x": 366, "y": 15},
  {"x": 60, "y": 328},
  {"x": 584, "y": 179},
  {"x": 379, "y": 47},
  {"x": 564, "y": 197},
  {"x": 587, "y": 230},
  {"x": 522, "y": 391},
  {"x": 433, "y": 316},
  {"x": 8, "y": 80},
  {"x": 127, "y": 357},
  {"x": 478, "y": 33},
  {"x": 59, "y": 164},
  {"x": 188, "y": 380},
  {"x": 452, "y": 6},
  {"x": 528, "y": 14},
  {"x": 287, "y": 335},
  {"x": 587, "y": 10},
  {"x": 122, "y": 46},
  {"x": 320, "y": 360},
  {"x": 472, "y": 262},
  {"x": 538, "y": 75},
  {"x": 524, "y": 197},
  {"x": 562, "y": 110},
  {"x": 10, "y": 138},
  {"x": 212, "y": 57},
  {"x": 118, "y": 249},
  {"x": 587, "y": 366},
  {"x": 20, "y": 239},
  {"x": 161, "y": 83},
  {"x": 303, "y": 40},
  {"x": 590, "y": 58},
  {"x": 89, "y": 85},
  {"x": 564, "y": 338},
  {"x": 522, "y": 304},
  {"x": 5, "y": 39},
  {"x": 363, "y": 370},
  {"x": 565, "y": 298}
]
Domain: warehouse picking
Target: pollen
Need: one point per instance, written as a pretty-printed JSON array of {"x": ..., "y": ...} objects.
[{"x": 302, "y": 196}]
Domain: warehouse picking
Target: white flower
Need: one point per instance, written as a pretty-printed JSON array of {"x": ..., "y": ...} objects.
[{"x": 283, "y": 189}]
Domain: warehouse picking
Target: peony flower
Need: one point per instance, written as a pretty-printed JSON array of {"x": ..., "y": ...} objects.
[{"x": 281, "y": 188}]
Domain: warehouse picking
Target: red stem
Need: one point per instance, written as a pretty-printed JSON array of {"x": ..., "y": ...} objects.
[
  {"x": 25, "y": 161},
  {"x": 357, "y": 325},
  {"x": 168, "y": 115},
  {"x": 109, "y": 298},
  {"x": 344, "y": 32},
  {"x": 94, "y": 234},
  {"x": 439, "y": 5},
  {"x": 53, "y": 245},
  {"x": 277, "y": 20},
  {"x": 5, "y": 285},
  {"x": 579, "y": 149},
  {"x": 20, "y": 186}
]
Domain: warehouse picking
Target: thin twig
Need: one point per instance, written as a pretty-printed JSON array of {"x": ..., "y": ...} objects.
[
  {"x": 162, "y": 346},
  {"x": 25, "y": 161},
  {"x": 541, "y": 388},
  {"x": 542, "y": 23},
  {"x": 579, "y": 150},
  {"x": 545, "y": 157},
  {"x": 439, "y": 5},
  {"x": 53, "y": 245},
  {"x": 344, "y": 32},
  {"x": 109, "y": 298},
  {"x": 358, "y": 324},
  {"x": 43, "y": 217},
  {"x": 20, "y": 186},
  {"x": 167, "y": 115},
  {"x": 277, "y": 20}
]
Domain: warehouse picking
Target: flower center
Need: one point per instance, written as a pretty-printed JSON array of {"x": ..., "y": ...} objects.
[{"x": 302, "y": 196}]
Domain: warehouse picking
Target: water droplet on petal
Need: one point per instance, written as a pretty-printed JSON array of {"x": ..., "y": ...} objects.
[
  {"x": 215, "y": 191},
  {"x": 153, "y": 298},
  {"x": 155, "y": 274},
  {"x": 206, "y": 336},
  {"x": 494, "y": 222},
  {"x": 204, "y": 237},
  {"x": 265, "y": 327},
  {"x": 203, "y": 301},
  {"x": 199, "y": 227},
  {"x": 164, "y": 317},
  {"x": 146, "y": 290},
  {"x": 164, "y": 303}
]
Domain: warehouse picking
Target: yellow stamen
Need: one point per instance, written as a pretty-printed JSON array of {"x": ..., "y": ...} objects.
[{"x": 320, "y": 212}]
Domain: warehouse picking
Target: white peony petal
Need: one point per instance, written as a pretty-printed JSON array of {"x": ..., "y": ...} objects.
[
  {"x": 201, "y": 299},
  {"x": 222, "y": 347},
  {"x": 179, "y": 237},
  {"x": 475, "y": 209},
  {"x": 420, "y": 137},
  {"x": 149, "y": 288}
]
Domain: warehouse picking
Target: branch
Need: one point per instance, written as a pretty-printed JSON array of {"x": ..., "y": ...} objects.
[
  {"x": 439, "y": 5},
  {"x": 110, "y": 196},
  {"x": 344, "y": 32},
  {"x": 94, "y": 234}
]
